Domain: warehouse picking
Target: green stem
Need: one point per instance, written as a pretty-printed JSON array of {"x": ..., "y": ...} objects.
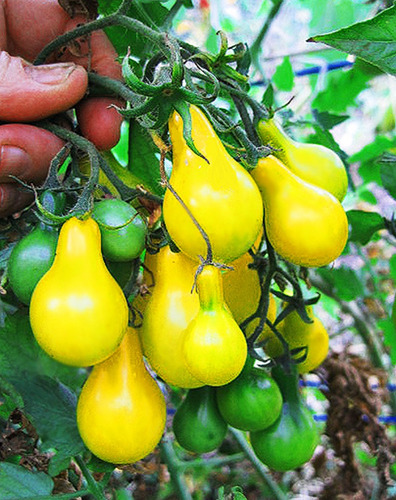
[
  {"x": 252, "y": 151},
  {"x": 247, "y": 122},
  {"x": 81, "y": 143},
  {"x": 167, "y": 24},
  {"x": 260, "y": 468},
  {"x": 124, "y": 7},
  {"x": 256, "y": 45},
  {"x": 112, "y": 86},
  {"x": 62, "y": 496},
  {"x": 263, "y": 305},
  {"x": 174, "y": 466},
  {"x": 98, "y": 24},
  {"x": 92, "y": 484},
  {"x": 212, "y": 462}
]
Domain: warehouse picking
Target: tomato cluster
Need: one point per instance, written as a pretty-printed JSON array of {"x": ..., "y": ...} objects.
[{"x": 213, "y": 211}]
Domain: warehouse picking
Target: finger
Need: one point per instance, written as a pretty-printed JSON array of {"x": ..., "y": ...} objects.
[
  {"x": 13, "y": 198},
  {"x": 94, "y": 52},
  {"x": 30, "y": 92},
  {"x": 29, "y": 25},
  {"x": 26, "y": 152},
  {"x": 100, "y": 123}
]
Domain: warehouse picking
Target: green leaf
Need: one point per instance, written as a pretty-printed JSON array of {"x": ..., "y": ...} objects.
[
  {"x": 325, "y": 138},
  {"x": 373, "y": 150},
  {"x": 52, "y": 409},
  {"x": 388, "y": 174},
  {"x": 152, "y": 13},
  {"x": 389, "y": 329},
  {"x": 345, "y": 281},
  {"x": 283, "y": 77},
  {"x": 328, "y": 120},
  {"x": 268, "y": 97},
  {"x": 364, "y": 225},
  {"x": 392, "y": 266},
  {"x": 57, "y": 464},
  {"x": 16, "y": 482},
  {"x": 373, "y": 40},
  {"x": 143, "y": 158},
  {"x": 20, "y": 351},
  {"x": 341, "y": 90}
]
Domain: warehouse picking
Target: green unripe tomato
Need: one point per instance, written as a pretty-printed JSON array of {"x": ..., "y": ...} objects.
[
  {"x": 126, "y": 243},
  {"x": 197, "y": 423},
  {"x": 251, "y": 402},
  {"x": 30, "y": 259},
  {"x": 288, "y": 443}
]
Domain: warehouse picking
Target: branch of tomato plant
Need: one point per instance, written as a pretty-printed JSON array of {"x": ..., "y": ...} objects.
[
  {"x": 173, "y": 464},
  {"x": 209, "y": 463},
  {"x": 260, "y": 468},
  {"x": 97, "y": 161},
  {"x": 167, "y": 24},
  {"x": 158, "y": 38},
  {"x": 255, "y": 47},
  {"x": 247, "y": 122},
  {"x": 62, "y": 496},
  {"x": 366, "y": 331},
  {"x": 95, "y": 489},
  {"x": 265, "y": 277},
  {"x": 253, "y": 152},
  {"x": 110, "y": 86}
]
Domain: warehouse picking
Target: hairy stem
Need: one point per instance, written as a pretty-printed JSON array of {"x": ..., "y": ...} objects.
[
  {"x": 256, "y": 45},
  {"x": 92, "y": 484},
  {"x": 113, "y": 20},
  {"x": 260, "y": 468},
  {"x": 173, "y": 464}
]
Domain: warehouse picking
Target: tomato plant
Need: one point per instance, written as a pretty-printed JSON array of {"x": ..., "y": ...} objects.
[{"x": 219, "y": 273}]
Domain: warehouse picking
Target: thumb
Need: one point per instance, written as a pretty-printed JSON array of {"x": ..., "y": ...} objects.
[{"x": 29, "y": 93}]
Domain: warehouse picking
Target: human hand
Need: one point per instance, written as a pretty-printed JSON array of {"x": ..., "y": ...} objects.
[{"x": 29, "y": 93}]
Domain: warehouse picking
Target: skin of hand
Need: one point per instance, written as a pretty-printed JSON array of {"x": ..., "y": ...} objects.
[{"x": 29, "y": 93}]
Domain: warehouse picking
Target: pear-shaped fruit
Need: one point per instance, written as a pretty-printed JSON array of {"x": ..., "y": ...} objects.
[
  {"x": 214, "y": 347},
  {"x": 305, "y": 224},
  {"x": 30, "y": 259},
  {"x": 297, "y": 334},
  {"x": 121, "y": 411},
  {"x": 292, "y": 439},
  {"x": 198, "y": 424},
  {"x": 169, "y": 311},
  {"x": 314, "y": 163},
  {"x": 242, "y": 293},
  {"x": 219, "y": 193},
  {"x": 78, "y": 313},
  {"x": 252, "y": 401}
]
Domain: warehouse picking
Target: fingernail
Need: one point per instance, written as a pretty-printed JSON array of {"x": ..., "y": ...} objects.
[
  {"x": 50, "y": 74},
  {"x": 14, "y": 161}
]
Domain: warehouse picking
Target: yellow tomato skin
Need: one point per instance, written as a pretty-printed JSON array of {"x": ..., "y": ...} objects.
[
  {"x": 305, "y": 224},
  {"x": 242, "y": 293},
  {"x": 214, "y": 347},
  {"x": 121, "y": 411},
  {"x": 297, "y": 333},
  {"x": 314, "y": 163},
  {"x": 169, "y": 311},
  {"x": 220, "y": 195},
  {"x": 78, "y": 313}
]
